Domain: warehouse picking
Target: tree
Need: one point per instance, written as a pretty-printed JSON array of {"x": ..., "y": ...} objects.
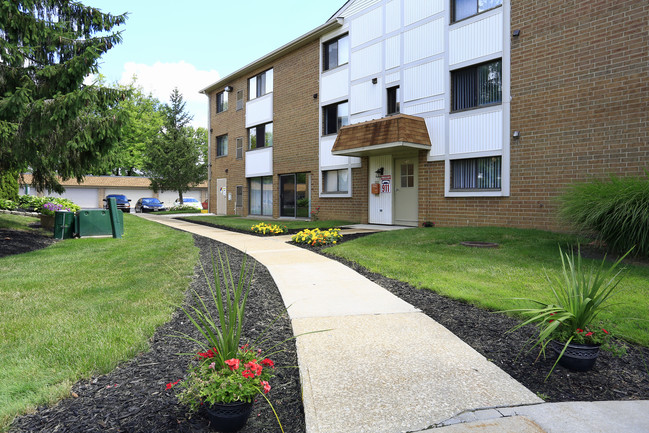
[
  {"x": 50, "y": 122},
  {"x": 9, "y": 185},
  {"x": 143, "y": 119},
  {"x": 176, "y": 159}
]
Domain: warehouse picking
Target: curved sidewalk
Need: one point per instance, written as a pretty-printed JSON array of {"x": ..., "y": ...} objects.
[{"x": 382, "y": 366}]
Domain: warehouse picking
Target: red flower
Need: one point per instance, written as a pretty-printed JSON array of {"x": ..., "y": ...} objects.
[
  {"x": 579, "y": 331},
  {"x": 171, "y": 384},
  {"x": 268, "y": 363},
  {"x": 254, "y": 367},
  {"x": 248, "y": 374},
  {"x": 588, "y": 334},
  {"x": 232, "y": 363},
  {"x": 266, "y": 386},
  {"x": 605, "y": 331},
  {"x": 209, "y": 354}
]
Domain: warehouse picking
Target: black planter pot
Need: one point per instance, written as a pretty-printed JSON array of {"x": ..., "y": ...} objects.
[
  {"x": 228, "y": 417},
  {"x": 577, "y": 357}
]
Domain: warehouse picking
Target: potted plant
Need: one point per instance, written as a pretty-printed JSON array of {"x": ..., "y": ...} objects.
[
  {"x": 569, "y": 323},
  {"x": 225, "y": 376},
  {"x": 48, "y": 211}
]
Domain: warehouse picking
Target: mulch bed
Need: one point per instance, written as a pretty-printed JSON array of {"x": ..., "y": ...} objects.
[
  {"x": 18, "y": 242},
  {"x": 133, "y": 398}
]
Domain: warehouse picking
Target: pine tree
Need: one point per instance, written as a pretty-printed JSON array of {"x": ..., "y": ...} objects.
[
  {"x": 175, "y": 161},
  {"x": 50, "y": 122}
]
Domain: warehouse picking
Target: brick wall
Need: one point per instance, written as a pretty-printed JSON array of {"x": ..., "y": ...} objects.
[{"x": 580, "y": 89}]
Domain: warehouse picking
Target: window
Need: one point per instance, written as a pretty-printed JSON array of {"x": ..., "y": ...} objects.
[
  {"x": 261, "y": 195},
  {"x": 260, "y": 136},
  {"x": 240, "y": 148},
  {"x": 221, "y": 102},
  {"x": 476, "y": 174},
  {"x": 335, "y": 52},
  {"x": 393, "y": 100},
  {"x": 407, "y": 175},
  {"x": 467, "y": 8},
  {"x": 335, "y": 181},
  {"x": 222, "y": 145},
  {"x": 476, "y": 86},
  {"x": 239, "y": 200},
  {"x": 239, "y": 100},
  {"x": 260, "y": 85},
  {"x": 335, "y": 116}
]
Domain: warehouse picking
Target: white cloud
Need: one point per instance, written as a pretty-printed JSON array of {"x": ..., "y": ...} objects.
[{"x": 160, "y": 79}]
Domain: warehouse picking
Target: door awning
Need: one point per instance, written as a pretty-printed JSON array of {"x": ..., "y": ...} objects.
[{"x": 390, "y": 135}]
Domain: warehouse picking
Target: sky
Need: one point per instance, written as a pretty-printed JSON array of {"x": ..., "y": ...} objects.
[{"x": 193, "y": 44}]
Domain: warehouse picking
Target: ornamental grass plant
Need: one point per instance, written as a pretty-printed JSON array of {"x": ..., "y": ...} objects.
[
  {"x": 580, "y": 295},
  {"x": 615, "y": 210}
]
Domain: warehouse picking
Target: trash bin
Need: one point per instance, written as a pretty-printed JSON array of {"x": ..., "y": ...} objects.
[
  {"x": 63, "y": 224},
  {"x": 96, "y": 222}
]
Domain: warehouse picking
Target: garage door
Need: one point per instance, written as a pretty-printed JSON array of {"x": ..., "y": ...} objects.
[{"x": 84, "y": 197}]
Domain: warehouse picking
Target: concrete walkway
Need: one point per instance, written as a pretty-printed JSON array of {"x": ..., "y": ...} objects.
[{"x": 385, "y": 367}]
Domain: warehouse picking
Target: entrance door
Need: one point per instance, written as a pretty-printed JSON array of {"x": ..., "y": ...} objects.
[
  {"x": 405, "y": 192},
  {"x": 287, "y": 197},
  {"x": 221, "y": 196}
]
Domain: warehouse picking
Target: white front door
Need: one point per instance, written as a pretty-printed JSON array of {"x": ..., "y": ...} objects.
[
  {"x": 221, "y": 196},
  {"x": 405, "y": 191},
  {"x": 380, "y": 208}
]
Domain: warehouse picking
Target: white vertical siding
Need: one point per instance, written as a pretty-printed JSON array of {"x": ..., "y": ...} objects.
[
  {"x": 367, "y": 27},
  {"x": 415, "y": 10},
  {"x": 366, "y": 96},
  {"x": 423, "y": 41},
  {"x": 424, "y": 80},
  {"x": 480, "y": 132},
  {"x": 380, "y": 205},
  {"x": 437, "y": 133},
  {"x": 335, "y": 85},
  {"x": 426, "y": 107},
  {"x": 391, "y": 78},
  {"x": 259, "y": 110},
  {"x": 367, "y": 61},
  {"x": 392, "y": 16},
  {"x": 365, "y": 117},
  {"x": 259, "y": 162},
  {"x": 327, "y": 160},
  {"x": 477, "y": 39},
  {"x": 358, "y": 6},
  {"x": 393, "y": 52}
]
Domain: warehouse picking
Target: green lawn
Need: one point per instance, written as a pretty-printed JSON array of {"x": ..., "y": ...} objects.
[
  {"x": 240, "y": 223},
  {"x": 432, "y": 258},
  {"x": 17, "y": 222},
  {"x": 81, "y": 306}
]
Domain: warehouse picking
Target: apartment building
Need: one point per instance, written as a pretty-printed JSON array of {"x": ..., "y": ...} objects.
[{"x": 461, "y": 112}]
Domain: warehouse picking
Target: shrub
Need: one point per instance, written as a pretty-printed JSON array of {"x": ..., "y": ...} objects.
[
  {"x": 184, "y": 208},
  {"x": 615, "y": 210},
  {"x": 267, "y": 229},
  {"x": 317, "y": 237},
  {"x": 8, "y": 204},
  {"x": 9, "y": 186}
]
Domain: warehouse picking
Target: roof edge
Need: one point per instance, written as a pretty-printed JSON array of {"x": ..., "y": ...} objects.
[{"x": 273, "y": 55}]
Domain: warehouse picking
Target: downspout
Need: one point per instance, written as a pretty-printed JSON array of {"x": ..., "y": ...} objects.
[{"x": 209, "y": 155}]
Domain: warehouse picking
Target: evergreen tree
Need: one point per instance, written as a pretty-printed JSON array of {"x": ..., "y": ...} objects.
[
  {"x": 50, "y": 122},
  {"x": 176, "y": 159}
]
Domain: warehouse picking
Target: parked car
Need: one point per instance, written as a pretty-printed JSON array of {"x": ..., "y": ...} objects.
[
  {"x": 149, "y": 204},
  {"x": 123, "y": 203},
  {"x": 189, "y": 201}
]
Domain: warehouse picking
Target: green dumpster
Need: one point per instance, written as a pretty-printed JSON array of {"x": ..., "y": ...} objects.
[
  {"x": 96, "y": 222},
  {"x": 63, "y": 224}
]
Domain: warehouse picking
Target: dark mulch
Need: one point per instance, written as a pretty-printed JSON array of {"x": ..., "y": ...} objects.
[
  {"x": 18, "y": 241},
  {"x": 134, "y": 398}
]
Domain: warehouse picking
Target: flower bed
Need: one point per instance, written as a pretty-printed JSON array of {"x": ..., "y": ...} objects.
[
  {"x": 317, "y": 237},
  {"x": 268, "y": 229}
]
